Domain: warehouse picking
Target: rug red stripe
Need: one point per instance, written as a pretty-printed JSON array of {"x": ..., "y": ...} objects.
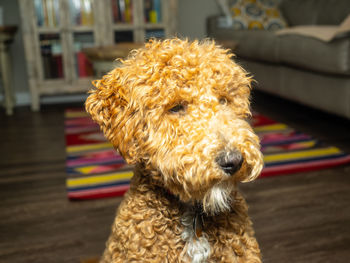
[
  {"x": 99, "y": 193},
  {"x": 304, "y": 167}
]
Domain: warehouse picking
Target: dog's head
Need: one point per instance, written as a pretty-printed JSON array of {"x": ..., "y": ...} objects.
[{"x": 180, "y": 109}]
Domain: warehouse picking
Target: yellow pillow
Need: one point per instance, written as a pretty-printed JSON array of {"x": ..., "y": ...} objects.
[{"x": 256, "y": 14}]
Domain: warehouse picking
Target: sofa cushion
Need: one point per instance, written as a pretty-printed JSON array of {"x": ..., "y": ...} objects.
[
  {"x": 315, "y": 55},
  {"x": 255, "y": 44},
  {"x": 258, "y": 14},
  {"x": 310, "y": 12},
  {"x": 260, "y": 45}
]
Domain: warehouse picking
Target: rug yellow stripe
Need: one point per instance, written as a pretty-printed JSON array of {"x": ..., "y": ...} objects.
[
  {"x": 307, "y": 144},
  {"x": 296, "y": 145},
  {"x": 301, "y": 154},
  {"x": 272, "y": 127},
  {"x": 86, "y": 169},
  {"x": 81, "y": 148},
  {"x": 71, "y": 182},
  {"x": 76, "y": 114}
]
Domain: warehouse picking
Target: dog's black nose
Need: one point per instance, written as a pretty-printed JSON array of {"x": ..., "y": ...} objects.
[{"x": 230, "y": 161}]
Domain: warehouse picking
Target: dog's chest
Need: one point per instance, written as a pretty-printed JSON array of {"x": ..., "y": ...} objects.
[
  {"x": 211, "y": 239},
  {"x": 197, "y": 247}
]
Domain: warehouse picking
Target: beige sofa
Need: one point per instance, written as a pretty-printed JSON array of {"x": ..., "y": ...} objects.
[{"x": 304, "y": 69}]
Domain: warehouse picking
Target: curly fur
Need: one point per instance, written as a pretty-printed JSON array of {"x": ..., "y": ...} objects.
[{"x": 170, "y": 109}]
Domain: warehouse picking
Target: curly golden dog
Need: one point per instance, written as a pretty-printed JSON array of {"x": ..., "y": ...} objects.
[{"x": 178, "y": 111}]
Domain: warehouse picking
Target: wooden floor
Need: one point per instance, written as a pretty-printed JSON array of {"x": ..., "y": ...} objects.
[{"x": 298, "y": 218}]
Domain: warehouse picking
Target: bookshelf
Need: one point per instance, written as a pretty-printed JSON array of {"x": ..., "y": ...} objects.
[{"x": 56, "y": 31}]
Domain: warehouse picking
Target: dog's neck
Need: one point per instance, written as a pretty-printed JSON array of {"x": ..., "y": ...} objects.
[
  {"x": 148, "y": 181},
  {"x": 196, "y": 209}
]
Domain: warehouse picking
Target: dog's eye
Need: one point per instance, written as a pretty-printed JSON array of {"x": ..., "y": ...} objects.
[
  {"x": 177, "y": 108},
  {"x": 222, "y": 100}
]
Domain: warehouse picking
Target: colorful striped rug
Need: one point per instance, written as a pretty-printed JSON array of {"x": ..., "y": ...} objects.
[{"x": 95, "y": 170}]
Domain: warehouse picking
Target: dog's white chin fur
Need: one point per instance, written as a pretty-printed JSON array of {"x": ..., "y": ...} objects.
[{"x": 218, "y": 199}]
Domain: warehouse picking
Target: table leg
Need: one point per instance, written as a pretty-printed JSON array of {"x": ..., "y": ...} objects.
[{"x": 5, "y": 66}]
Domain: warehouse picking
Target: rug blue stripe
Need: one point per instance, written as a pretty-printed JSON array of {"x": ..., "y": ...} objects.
[
  {"x": 117, "y": 161},
  {"x": 287, "y": 142}
]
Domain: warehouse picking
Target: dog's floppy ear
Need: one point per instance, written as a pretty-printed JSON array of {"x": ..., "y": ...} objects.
[{"x": 108, "y": 106}]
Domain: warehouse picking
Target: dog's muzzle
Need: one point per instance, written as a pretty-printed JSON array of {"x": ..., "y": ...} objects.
[{"x": 230, "y": 162}]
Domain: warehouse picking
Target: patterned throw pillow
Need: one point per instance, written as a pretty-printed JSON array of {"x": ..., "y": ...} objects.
[{"x": 256, "y": 14}]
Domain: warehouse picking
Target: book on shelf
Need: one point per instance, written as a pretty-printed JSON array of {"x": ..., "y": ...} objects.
[
  {"x": 115, "y": 11},
  {"x": 57, "y": 59},
  {"x": 81, "y": 12},
  {"x": 147, "y": 9},
  {"x": 153, "y": 11},
  {"x": 128, "y": 11},
  {"x": 87, "y": 17},
  {"x": 122, "y": 11},
  {"x": 39, "y": 12},
  {"x": 83, "y": 64},
  {"x": 51, "y": 52},
  {"x": 47, "y": 13}
]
